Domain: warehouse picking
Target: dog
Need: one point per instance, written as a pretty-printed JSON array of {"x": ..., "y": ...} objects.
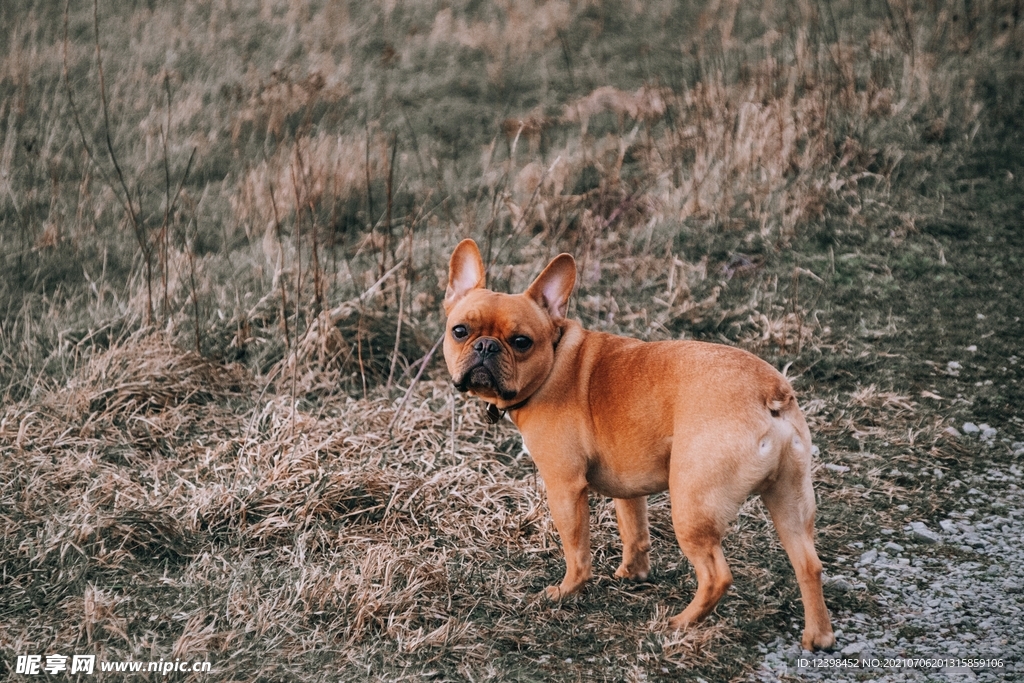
[{"x": 625, "y": 418}]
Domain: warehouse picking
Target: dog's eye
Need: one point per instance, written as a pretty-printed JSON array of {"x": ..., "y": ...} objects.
[
  {"x": 460, "y": 331},
  {"x": 521, "y": 343}
]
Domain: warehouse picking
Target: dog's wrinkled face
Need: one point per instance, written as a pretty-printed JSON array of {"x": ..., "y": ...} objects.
[{"x": 500, "y": 347}]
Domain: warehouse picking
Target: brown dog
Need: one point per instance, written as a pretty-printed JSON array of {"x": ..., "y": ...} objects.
[{"x": 626, "y": 418}]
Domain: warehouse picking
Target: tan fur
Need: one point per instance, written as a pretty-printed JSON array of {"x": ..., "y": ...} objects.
[{"x": 626, "y": 418}]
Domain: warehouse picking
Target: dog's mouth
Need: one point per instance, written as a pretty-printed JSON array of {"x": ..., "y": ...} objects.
[{"x": 481, "y": 378}]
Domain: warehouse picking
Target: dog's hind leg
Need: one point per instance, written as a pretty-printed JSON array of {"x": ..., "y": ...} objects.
[
  {"x": 704, "y": 550},
  {"x": 790, "y": 500},
  {"x": 705, "y": 501},
  {"x": 631, "y": 514},
  {"x": 700, "y": 539}
]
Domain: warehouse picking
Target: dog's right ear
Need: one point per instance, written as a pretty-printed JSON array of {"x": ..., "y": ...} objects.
[{"x": 465, "y": 273}]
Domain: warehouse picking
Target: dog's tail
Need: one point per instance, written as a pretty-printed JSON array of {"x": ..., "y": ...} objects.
[{"x": 781, "y": 399}]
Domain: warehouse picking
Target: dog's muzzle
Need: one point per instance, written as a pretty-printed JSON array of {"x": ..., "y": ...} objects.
[
  {"x": 479, "y": 377},
  {"x": 483, "y": 371}
]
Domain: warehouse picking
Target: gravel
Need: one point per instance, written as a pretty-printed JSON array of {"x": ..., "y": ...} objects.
[{"x": 947, "y": 589}]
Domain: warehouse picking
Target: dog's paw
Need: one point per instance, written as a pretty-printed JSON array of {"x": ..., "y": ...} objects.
[
  {"x": 553, "y": 593},
  {"x": 683, "y": 620},
  {"x": 679, "y": 623},
  {"x": 631, "y": 573},
  {"x": 818, "y": 641}
]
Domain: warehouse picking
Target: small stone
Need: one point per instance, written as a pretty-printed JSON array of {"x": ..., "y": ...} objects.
[
  {"x": 1011, "y": 586},
  {"x": 948, "y": 525},
  {"x": 856, "y": 648},
  {"x": 951, "y": 431},
  {"x": 994, "y": 570},
  {"x": 921, "y": 532},
  {"x": 973, "y": 348},
  {"x": 840, "y": 469},
  {"x": 868, "y": 557},
  {"x": 953, "y": 368},
  {"x": 894, "y": 547},
  {"x": 840, "y": 584},
  {"x": 970, "y": 428},
  {"x": 989, "y": 433},
  {"x": 959, "y": 673}
]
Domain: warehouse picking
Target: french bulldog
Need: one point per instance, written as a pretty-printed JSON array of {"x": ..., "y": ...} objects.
[{"x": 626, "y": 418}]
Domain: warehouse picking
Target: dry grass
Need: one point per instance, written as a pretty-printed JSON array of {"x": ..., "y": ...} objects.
[
  {"x": 163, "y": 503},
  {"x": 312, "y": 179},
  {"x": 167, "y": 506}
]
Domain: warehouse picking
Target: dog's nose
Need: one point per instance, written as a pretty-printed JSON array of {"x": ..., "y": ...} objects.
[{"x": 486, "y": 346}]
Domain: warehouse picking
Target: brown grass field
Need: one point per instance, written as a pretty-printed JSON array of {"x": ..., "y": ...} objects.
[{"x": 226, "y": 434}]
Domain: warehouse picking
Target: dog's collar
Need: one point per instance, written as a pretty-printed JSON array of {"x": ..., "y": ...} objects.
[{"x": 493, "y": 414}]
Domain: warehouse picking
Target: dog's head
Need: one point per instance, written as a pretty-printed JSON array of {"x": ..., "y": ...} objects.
[{"x": 501, "y": 347}]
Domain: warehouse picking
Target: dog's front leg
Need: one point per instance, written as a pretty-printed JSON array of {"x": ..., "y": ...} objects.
[
  {"x": 570, "y": 510},
  {"x": 631, "y": 514}
]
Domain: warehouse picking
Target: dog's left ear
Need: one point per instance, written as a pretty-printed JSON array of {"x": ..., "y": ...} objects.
[
  {"x": 465, "y": 273},
  {"x": 553, "y": 287}
]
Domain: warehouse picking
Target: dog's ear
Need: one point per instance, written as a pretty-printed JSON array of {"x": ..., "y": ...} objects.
[
  {"x": 553, "y": 287},
  {"x": 465, "y": 273}
]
